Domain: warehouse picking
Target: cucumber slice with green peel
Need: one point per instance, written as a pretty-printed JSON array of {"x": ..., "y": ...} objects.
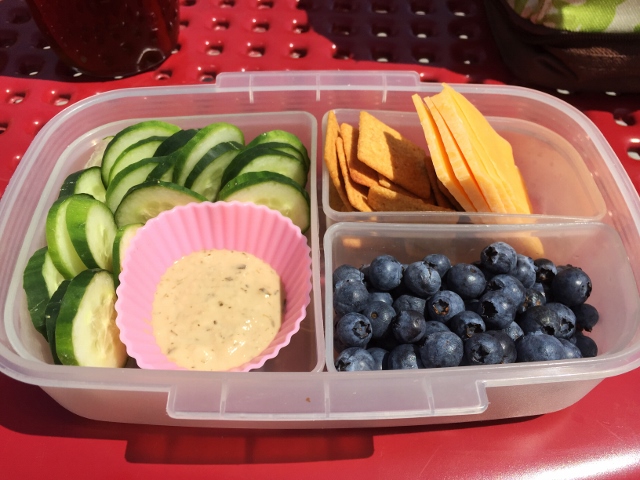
[
  {"x": 87, "y": 181},
  {"x": 211, "y": 156},
  {"x": 149, "y": 199},
  {"x": 129, "y": 177},
  {"x": 286, "y": 148},
  {"x": 208, "y": 182},
  {"x": 164, "y": 169},
  {"x": 124, "y": 235},
  {"x": 86, "y": 333},
  {"x": 281, "y": 136},
  {"x": 274, "y": 191},
  {"x": 95, "y": 160},
  {"x": 51, "y": 313},
  {"x": 203, "y": 141},
  {"x": 130, "y": 135},
  {"x": 175, "y": 142},
  {"x": 40, "y": 280},
  {"x": 138, "y": 151},
  {"x": 265, "y": 159},
  {"x": 91, "y": 228},
  {"x": 61, "y": 248}
]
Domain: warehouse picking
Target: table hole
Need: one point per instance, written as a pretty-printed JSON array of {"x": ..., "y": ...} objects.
[
  {"x": 30, "y": 67},
  {"x": 41, "y": 44},
  {"x": 188, "y": 3},
  {"x": 461, "y": 8},
  {"x": 344, "y": 30},
  {"x": 7, "y": 38},
  {"x": 227, "y": 3},
  {"x": 265, "y": 4},
  {"x": 424, "y": 55},
  {"x": 563, "y": 91},
  {"x": 176, "y": 49},
  {"x": 298, "y": 53},
  {"x": 381, "y": 7},
  {"x": 343, "y": 6},
  {"x": 256, "y": 52},
  {"x": 214, "y": 50},
  {"x": 342, "y": 54},
  {"x": 16, "y": 98},
  {"x": 634, "y": 153},
  {"x": 381, "y": 31},
  {"x": 19, "y": 16},
  {"x": 3, "y": 127},
  {"x": 382, "y": 56},
  {"x": 624, "y": 117},
  {"x": 184, "y": 24},
  {"x": 261, "y": 27},
  {"x": 300, "y": 27},
  {"x": 207, "y": 77},
  {"x": 163, "y": 75},
  {"x": 61, "y": 100},
  {"x": 304, "y": 5},
  {"x": 421, "y": 7},
  {"x": 220, "y": 25},
  {"x": 611, "y": 94}
]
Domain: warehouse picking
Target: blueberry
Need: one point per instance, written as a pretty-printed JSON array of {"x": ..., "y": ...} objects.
[
  {"x": 349, "y": 296},
  {"x": 354, "y": 359},
  {"x": 440, "y": 262},
  {"x": 567, "y": 319},
  {"x": 404, "y": 357},
  {"x": 409, "y": 326},
  {"x": 433, "y": 326},
  {"x": 353, "y": 330},
  {"x": 497, "y": 310},
  {"x": 347, "y": 271},
  {"x": 364, "y": 269},
  {"x": 571, "y": 286},
  {"x": 380, "y": 297},
  {"x": 388, "y": 341},
  {"x": 545, "y": 270},
  {"x": 535, "y": 348},
  {"x": 441, "y": 349},
  {"x": 509, "y": 285},
  {"x": 467, "y": 323},
  {"x": 409, "y": 302},
  {"x": 509, "y": 353},
  {"x": 466, "y": 280},
  {"x": 525, "y": 270},
  {"x": 443, "y": 305},
  {"x": 381, "y": 356},
  {"x": 532, "y": 297},
  {"x": 586, "y": 316},
  {"x": 540, "y": 320},
  {"x": 483, "y": 349},
  {"x": 513, "y": 330},
  {"x": 380, "y": 315},
  {"x": 499, "y": 257},
  {"x": 472, "y": 305},
  {"x": 570, "y": 350},
  {"x": 385, "y": 273},
  {"x": 587, "y": 345},
  {"x": 421, "y": 279}
]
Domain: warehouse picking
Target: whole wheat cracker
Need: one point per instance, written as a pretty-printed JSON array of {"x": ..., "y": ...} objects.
[{"x": 331, "y": 160}]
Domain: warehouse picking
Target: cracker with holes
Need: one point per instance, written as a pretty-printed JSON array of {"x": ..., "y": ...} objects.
[
  {"x": 331, "y": 161},
  {"x": 387, "y": 152}
]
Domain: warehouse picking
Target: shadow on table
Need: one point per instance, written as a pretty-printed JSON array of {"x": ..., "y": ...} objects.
[{"x": 28, "y": 410}]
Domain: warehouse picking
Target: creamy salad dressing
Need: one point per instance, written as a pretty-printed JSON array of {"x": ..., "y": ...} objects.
[{"x": 217, "y": 309}]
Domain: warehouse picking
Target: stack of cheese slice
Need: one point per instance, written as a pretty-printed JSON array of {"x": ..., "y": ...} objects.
[{"x": 471, "y": 160}]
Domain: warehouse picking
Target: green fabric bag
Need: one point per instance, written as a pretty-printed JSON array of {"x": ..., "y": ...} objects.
[{"x": 577, "y": 45}]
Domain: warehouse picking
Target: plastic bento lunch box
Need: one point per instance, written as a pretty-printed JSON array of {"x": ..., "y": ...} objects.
[{"x": 586, "y": 212}]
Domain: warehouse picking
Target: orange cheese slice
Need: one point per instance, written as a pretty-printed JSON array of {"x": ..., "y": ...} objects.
[
  {"x": 490, "y": 184},
  {"x": 439, "y": 156},
  {"x": 495, "y": 149},
  {"x": 469, "y": 180}
]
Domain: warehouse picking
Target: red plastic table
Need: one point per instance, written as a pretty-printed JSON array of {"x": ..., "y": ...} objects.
[{"x": 598, "y": 437}]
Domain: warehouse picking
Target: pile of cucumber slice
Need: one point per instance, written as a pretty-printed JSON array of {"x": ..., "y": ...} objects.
[{"x": 133, "y": 176}]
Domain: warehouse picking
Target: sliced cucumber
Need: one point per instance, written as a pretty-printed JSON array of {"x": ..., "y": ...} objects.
[
  {"x": 129, "y": 177},
  {"x": 145, "y": 148},
  {"x": 87, "y": 181},
  {"x": 91, "y": 228},
  {"x": 175, "y": 142},
  {"x": 265, "y": 159},
  {"x": 283, "y": 137},
  {"x": 121, "y": 243},
  {"x": 95, "y": 160},
  {"x": 150, "y": 198},
  {"x": 40, "y": 280},
  {"x": 51, "y": 313},
  {"x": 206, "y": 176},
  {"x": 203, "y": 141},
  {"x": 164, "y": 169},
  {"x": 61, "y": 248},
  {"x": 274, "y": 191},
  {"x": 130, "y": 135},
  {"x": 86, "y": 333}
]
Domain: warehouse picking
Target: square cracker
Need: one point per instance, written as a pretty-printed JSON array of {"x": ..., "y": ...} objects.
[
  {"x": 383, "y": 199},
  {"x": 359, "y": 172},
  {"x": 331, "y": 160},
  {"x": 389, "y": 153},
  {"x": 357, "y": 194}
]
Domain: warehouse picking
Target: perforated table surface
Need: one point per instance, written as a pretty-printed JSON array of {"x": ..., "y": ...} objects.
[{"x": 442, "y": 41}]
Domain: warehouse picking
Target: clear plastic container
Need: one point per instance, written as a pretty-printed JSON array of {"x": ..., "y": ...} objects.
[{"x": 297, "y": 389}]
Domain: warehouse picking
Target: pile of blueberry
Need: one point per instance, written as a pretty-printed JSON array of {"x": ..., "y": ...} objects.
[{"x": 503, "y": 308}]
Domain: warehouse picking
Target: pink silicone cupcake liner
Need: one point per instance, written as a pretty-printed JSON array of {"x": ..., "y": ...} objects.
[{"x": 247, "y": 227}]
